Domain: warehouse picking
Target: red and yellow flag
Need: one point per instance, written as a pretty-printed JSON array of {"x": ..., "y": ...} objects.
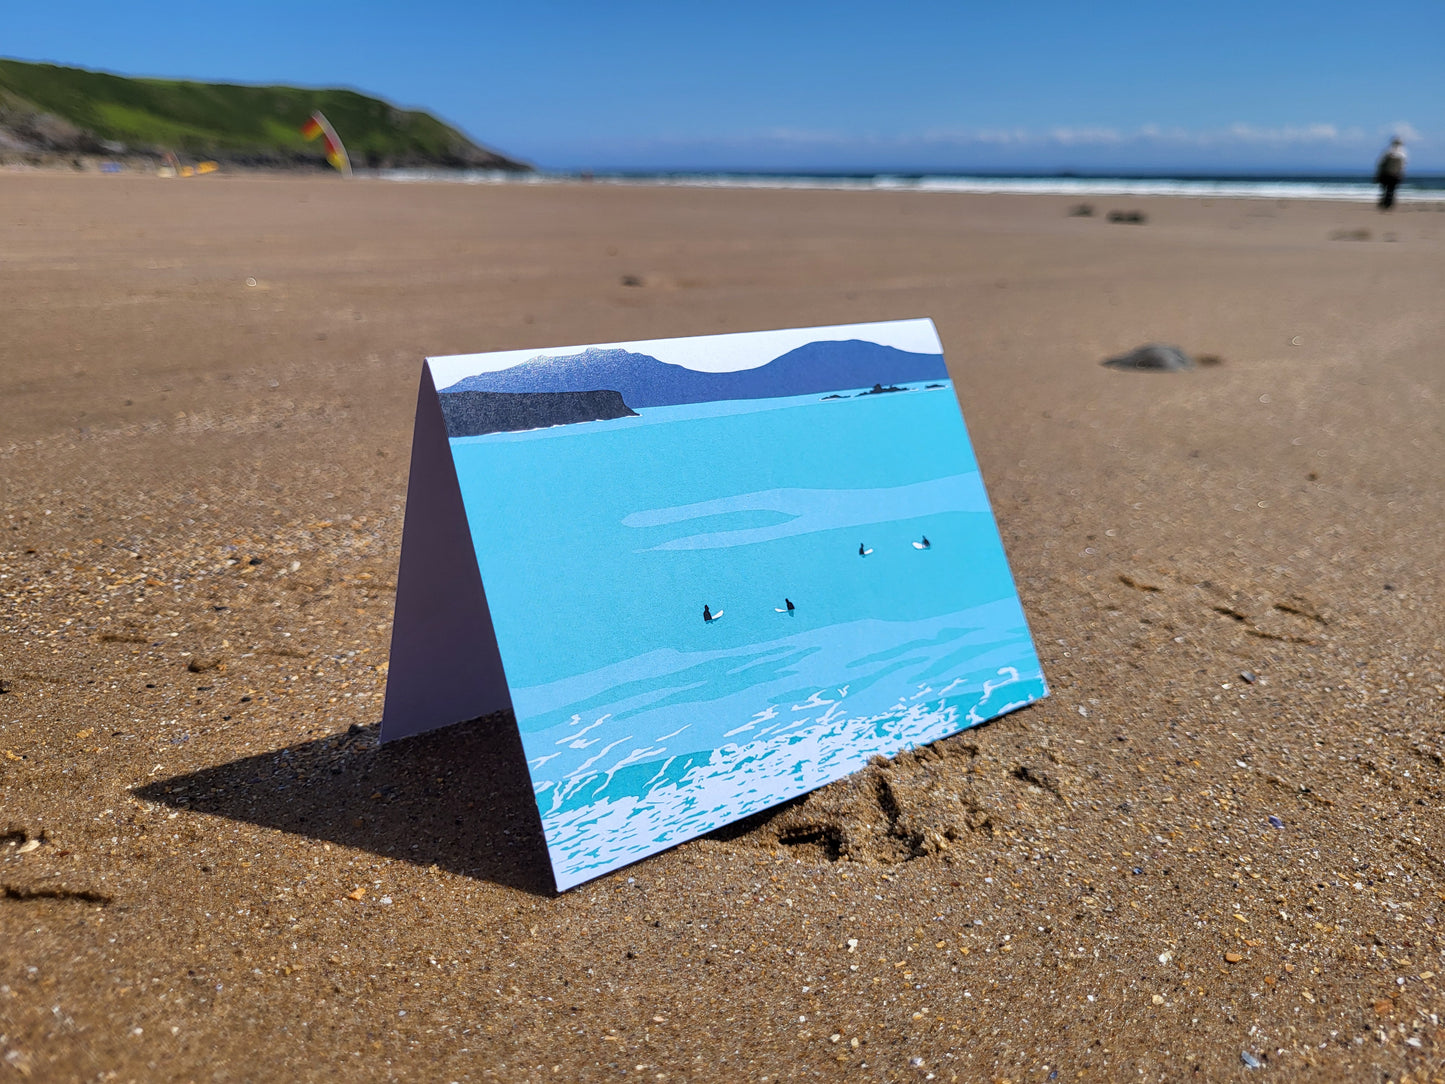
[{"x": 318, "y": 125}]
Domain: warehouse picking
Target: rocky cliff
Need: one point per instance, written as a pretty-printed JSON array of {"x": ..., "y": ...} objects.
[
  {"x": 472, "y": 413},
  {"x": 49, "y": 112}
]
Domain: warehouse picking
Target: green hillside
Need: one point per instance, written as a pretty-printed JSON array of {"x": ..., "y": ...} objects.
[{"x": 219, "y": 120}]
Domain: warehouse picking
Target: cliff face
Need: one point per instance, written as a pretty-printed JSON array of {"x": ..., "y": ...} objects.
[
  {"x": 472, "y": 413},
  {"x": 51, "y": 110}
]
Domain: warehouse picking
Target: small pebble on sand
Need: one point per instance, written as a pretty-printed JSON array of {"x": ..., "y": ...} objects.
[
  {"x": 19, "y": 1061},
  {"x": 1153, "y": 357}
]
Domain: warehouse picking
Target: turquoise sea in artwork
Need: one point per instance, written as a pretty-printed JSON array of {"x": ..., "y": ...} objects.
[{"x": 643, "y": 724}]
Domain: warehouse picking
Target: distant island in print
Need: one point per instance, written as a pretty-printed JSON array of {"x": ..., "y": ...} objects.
[{"x": 725, "y": 571}]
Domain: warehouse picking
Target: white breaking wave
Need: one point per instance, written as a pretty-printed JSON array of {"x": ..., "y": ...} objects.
[
  {"x": 581, "y": 768},
  {"x": 814, "y": 701},
  {"x": 571, "y": 739},
  {"x": 737, "y": 780},
  {"x": 1360, "y": 191}
]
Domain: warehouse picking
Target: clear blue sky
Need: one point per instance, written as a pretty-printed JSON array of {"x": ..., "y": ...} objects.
[{"x": 1051, "y": 84}]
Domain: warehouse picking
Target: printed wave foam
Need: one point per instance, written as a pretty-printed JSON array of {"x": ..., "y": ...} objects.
[{"x": 590, "y": 831}]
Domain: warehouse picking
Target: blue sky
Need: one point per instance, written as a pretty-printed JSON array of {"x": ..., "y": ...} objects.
[{"x": 845, "y": 85}]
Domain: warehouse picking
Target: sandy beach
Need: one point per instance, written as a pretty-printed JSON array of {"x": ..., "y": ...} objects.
[{"x": 1217, "y": 845}]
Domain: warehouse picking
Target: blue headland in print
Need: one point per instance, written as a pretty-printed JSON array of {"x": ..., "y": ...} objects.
[{"x": 724, "y": 571}]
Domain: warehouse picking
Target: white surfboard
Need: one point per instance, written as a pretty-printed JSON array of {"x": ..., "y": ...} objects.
[
  {"x": 865, "y": 553},
  {"x": 716, "y": 616},
  {"x": 919, "y": 546}
]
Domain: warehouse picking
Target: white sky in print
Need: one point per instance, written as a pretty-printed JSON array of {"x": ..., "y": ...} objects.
[{"x": 708, "y": 353}]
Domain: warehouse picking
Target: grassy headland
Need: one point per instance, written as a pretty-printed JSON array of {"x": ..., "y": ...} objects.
[{"x": 50, "y": 110}]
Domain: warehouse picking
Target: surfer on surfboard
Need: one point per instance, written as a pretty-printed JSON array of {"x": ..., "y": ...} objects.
[
  {"x": 709, "y": 616},
  {"x": 863, "y": 551},
  {"x": 788, "y": 603},
  {"x": 924, "y": 544}
]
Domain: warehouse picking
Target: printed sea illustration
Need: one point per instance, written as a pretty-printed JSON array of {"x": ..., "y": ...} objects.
[{"x": 724, "y": 571}]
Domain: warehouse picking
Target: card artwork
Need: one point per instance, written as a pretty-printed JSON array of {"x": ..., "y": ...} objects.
[{"x": 705, "y": 574}]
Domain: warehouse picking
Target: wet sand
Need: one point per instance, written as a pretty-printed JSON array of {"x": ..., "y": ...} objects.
[{"x": 209, "y": 871}]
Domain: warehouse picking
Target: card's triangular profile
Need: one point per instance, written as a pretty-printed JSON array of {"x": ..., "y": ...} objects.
[{"x": 445, "y": 666}]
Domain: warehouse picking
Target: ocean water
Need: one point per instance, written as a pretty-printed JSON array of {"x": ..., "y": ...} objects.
[
  {"x": 1358, "y": 188},
  {"x": 645, "y": 726}
]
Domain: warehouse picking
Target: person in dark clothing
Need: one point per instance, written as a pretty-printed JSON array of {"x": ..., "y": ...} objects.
[{"x": 1390, "y": 172}]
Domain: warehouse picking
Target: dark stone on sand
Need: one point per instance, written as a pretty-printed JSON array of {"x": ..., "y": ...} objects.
[
  {"x": 1081, "y": 210},
  {"x": 1136, "y": 218},
  {"x": 1153, "y": 358},
  {"x": 879, "y": 389},
  {"x": 835, "y": 395},
  {"x": 472, "y": 413}
]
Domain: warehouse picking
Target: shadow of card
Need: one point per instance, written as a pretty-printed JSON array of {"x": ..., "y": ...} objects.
[{"x": 458, "y": 798}]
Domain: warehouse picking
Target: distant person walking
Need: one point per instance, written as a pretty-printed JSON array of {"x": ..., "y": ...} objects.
[{"x": 1390, "y": 172}]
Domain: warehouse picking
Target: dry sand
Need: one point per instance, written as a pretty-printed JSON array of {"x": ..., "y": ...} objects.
[{"x": 211, "y": 872}]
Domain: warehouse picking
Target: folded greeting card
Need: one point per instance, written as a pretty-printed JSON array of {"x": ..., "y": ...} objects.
[{"x": 705, "y": 575}]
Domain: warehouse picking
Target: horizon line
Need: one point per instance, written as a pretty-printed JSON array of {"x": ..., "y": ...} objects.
[{"x": 990, "y": 172}]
